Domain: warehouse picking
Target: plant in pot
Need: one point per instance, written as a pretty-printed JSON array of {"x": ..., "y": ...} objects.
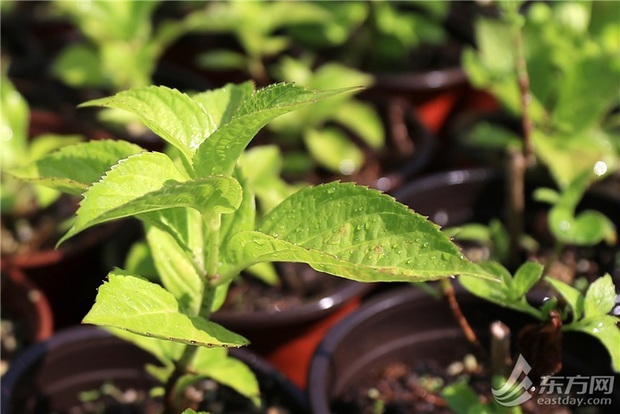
[
  {"x": 199, "y": 218},
  {"x": 121, "y": 47},
  {"x": 428, "y": 365},
  {"x": 570, "y": 225},
  {"x": 569, "y": 51}
]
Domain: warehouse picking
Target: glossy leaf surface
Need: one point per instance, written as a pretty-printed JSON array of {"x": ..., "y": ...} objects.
[
  {"x": 353, "y": 232},
  {"x": 142, "y": 307},
  {"x": 219, "y": 154}
]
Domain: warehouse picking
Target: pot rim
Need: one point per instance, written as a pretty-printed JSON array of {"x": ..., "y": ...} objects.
[
  {"x": 37, "y": 298},
  {"x": 89, "y": 332},
  {"x": 307, "y": 312},
  {"x": 422, "y": 81}
]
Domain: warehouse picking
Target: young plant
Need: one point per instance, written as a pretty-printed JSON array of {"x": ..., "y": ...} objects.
[
  {"x": 122, "y": 46},
  {"x": 258, "y": 26},
  {"x": 548, "y": 133},
  {"x": 376, "y": 36},
  {"x": 589, "y": 313},
  {"x": 199, "y": 216},
  {"x": 570, "y": 55}
]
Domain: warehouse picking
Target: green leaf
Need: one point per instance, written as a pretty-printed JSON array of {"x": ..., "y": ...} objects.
[
  {"x": 244, "y": 218},
  {"x": 332, "y": 149},
  {"x": 15, "y": 117},
  {"x": 605, "y": 329},
  {"x": 460, "y": 397},
  {"x": 220, "y": 152},
  {"x": 176, "y": 269},
  {"x": 167, "y": 352},
  {"x": 526, "y": 276},
  {"x": 600, "y": 297},
  {"x": 75, "y": 167},
  {"x": 262, "y": 165},
  {"x": 223, "y": 103},
  {"x": 80, "y": 66},
  {"x": 546, "y": 195},
  {"x": 172, "y": 115},
  {"x": 215, "y": 363},
  {"x": 587, "y": 228},
  {"x": 506, "y": 293},
  {"x": 573, "y": 297},
  {"x": 139, "y": 306},
  {"x": 353, "y": 232},
  {"x": 147, "y": 182},
  {"x": 470, "y": 232},
  {"x": 222, "y": 59},
  {"x": 569, "y": 155},
  {"x": 587, "y": 93},
  {"x": 363, "y": 120},
  {"x": 490, "y": 290},
  {"x": 139, "y": 261}
]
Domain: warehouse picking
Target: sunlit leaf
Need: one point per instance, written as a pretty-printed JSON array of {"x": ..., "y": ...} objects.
[
  {"x": 145, "y": 308},
  {"x": 353, "y": 232},
  {"x": 75, "y": 167}
]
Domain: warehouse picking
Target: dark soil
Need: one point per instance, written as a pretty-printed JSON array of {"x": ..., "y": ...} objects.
[
  {"x": 400, "y": 388},
  {"x": 299, "y": 284},
  {"x": 207, "y": 395},
  {"x": 12, "y": 340},
  {"x": 36, "y": 230}
]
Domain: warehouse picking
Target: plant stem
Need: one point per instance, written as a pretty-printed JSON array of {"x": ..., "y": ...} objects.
[
  {"x": 448, "y": 290},
  {"x": 515, "y": 201},
  {"x": 213, "y": 247},
  {"x": 500, "y": 349},
  {"x": 400, "y": 132},
  {"x": 180, "y": 368},
  {"x": 518, "y": 161}
]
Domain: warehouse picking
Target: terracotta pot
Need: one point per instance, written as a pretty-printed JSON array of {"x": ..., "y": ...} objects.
[
  {"x": 384, "y": 330},
  {"x": 50, "y": 376},
  {"x": 25, "y": 306},
  {"x": 288, "y": 337}
]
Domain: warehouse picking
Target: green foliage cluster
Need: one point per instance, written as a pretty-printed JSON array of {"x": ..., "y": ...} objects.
[
  {"x": 121, "y": 48},
  {"x": 200, "y": 220},
  {"x": 20, "y": 199},
  {"x": 571, "y": 55}
]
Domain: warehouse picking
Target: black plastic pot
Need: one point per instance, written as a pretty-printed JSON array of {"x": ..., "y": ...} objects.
[
  {"x": 287, "y": 338},
  {"x": 408, "y": 325},
  {"x": 49, "y": 376}
]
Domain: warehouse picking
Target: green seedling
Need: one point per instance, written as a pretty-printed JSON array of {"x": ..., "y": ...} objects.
[{"x": 201, "y": 225}]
